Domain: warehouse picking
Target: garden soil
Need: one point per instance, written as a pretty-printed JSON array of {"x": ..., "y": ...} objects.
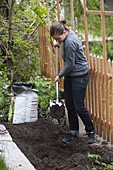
[{"x": 41, "y": 142}]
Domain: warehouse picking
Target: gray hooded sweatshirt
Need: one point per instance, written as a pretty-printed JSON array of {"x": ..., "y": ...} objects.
[{"x": 75, "y": 63}]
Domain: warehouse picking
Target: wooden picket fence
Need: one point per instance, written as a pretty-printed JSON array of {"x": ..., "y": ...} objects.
[
  {"x": 99, "y": 95},
  {"x": 47, "y": 55}
]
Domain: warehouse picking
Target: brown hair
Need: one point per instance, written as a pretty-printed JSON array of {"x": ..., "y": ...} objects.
[{"x": 58, "y": 28}]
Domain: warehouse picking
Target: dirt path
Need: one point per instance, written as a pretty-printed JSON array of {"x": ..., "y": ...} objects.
[{"x": 41, "y": 143}]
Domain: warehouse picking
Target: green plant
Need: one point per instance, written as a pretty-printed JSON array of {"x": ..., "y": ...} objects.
[
  {"x": 95, "y": 47},
  {"x": 46, "y": 91},
  {"x": 4, "y": 96},
  {"x": 3, "y": 165},
  {"x": 19, "y": 49},
  {"x": 96, "y": 160},
  {"x": 19, "y": 54}
]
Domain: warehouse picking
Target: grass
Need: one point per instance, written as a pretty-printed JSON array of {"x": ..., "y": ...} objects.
[{"x": 3, "y": 165}]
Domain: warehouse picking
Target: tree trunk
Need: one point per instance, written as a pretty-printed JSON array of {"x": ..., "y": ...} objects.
[
  {"x": 10, "y": 22},
  {"x": 11, "y": 7}
]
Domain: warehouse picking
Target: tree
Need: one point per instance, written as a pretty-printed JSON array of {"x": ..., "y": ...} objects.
[{"x": 19, "y": 52}]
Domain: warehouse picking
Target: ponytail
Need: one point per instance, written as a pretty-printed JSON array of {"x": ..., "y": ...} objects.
[
  {"x": 58, "y": 28},
  {"x": 63, "y": 21}
]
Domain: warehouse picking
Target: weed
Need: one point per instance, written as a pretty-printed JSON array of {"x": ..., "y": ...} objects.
[
  {"x": 3, "y": 165},
  {"x": 96, "y": 160}
]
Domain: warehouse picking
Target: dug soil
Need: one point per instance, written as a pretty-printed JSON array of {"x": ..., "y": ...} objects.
[{"x": 41, "y": 142}]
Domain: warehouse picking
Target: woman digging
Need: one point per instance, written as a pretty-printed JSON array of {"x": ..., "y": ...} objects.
[{"x": 76, "y": 78}]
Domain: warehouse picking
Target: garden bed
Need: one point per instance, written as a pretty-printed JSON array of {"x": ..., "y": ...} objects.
[{"x": 41, "y": 142}]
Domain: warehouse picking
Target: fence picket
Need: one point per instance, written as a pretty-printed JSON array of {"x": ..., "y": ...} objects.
[{"x": 100, "y": 97}]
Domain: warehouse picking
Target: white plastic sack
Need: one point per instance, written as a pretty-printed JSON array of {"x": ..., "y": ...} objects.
[{"x": 26, "y": 105}]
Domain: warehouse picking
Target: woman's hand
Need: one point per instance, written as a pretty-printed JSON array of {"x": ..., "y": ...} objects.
[
  {"x": 56, "y": 43},
  {"x": 58, "y": 79}
]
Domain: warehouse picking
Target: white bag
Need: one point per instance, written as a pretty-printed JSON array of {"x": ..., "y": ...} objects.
[{"x": 26, "y": 106}]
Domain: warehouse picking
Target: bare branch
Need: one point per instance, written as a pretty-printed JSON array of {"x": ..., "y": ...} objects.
[
  {"x": 31, "y": 34},
  {"x": 1, "y": 30}
]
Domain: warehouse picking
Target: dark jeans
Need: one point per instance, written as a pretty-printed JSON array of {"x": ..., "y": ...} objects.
[{"x": 75, "y": 89}]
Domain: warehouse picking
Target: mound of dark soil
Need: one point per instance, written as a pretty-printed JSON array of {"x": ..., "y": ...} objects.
[{"x": 41, "y": 142}]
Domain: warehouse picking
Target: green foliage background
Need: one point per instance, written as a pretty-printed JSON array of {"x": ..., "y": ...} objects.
[
  {"x": 19, "y": 57},
  {"x": 94, "y": 25}
]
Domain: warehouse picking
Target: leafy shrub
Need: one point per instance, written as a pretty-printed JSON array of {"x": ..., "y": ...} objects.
[
  {"x": 4, "y": 96},
  {"x": 46, "y": 91}
]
